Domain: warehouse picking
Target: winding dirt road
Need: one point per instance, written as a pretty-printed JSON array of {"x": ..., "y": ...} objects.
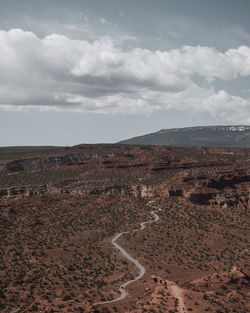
[{"x": 142, "y": 270}]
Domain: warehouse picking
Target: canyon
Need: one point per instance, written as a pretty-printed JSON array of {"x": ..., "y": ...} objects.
[{"x": 62, "y": 206}]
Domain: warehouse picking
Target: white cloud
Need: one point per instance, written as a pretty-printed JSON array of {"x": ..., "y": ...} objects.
[
  {"x": 128, "y": 37},
  {"x": 98, "y": 76},
  {"x": 105, "y": 22},
  {"x": 70, "y": 26}
]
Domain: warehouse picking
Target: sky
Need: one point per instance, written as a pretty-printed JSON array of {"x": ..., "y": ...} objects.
[{"x": 92, "y": 71}]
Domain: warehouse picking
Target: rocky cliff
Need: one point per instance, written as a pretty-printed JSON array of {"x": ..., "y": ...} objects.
[{"x": 203, "y": 176}]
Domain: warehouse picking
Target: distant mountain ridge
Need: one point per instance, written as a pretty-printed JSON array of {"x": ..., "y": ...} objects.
[{"x": 207, "y": 136}]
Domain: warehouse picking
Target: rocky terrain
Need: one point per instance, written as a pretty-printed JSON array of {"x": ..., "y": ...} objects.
[
  {"x": 209, "y": 136},
  {"x": 61, "y": 207}
]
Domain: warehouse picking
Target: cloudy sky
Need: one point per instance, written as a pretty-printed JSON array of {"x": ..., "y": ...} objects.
[{"x": 88, "y": 71}]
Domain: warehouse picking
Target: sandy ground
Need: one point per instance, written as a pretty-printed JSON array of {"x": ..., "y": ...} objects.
[{"x": 177, "y": 292}]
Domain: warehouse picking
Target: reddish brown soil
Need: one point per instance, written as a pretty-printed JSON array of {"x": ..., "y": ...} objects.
[{"x": 60, "y": 209}]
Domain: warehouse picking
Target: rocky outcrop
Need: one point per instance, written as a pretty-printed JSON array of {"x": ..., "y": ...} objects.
[
  {"x": 226, "y": 190},
  {"x": 69, "y": 156},
  {"x": 137, "y": 191},
  {"x": 202, "y": 198},
  {"x": 32, "y": 164},
  {"x": 227, "y": 181},
  {"x": 197, "y": 175}
]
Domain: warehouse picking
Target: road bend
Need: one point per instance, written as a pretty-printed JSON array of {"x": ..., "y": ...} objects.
[{"x": 141, "y": 268}]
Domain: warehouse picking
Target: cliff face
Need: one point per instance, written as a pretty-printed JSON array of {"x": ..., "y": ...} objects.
[
  {"x": 42, "y": 163},
  {"x": 224, "y": 190},
  {"x": 39, "y": 163},
  {"x": 137, "y": 191},
  {"x": 203, "y": 176}
]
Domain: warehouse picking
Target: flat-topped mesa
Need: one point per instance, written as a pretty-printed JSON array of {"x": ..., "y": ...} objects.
[
  {"x": 206, "y": 136},
  {"x": 238, "y": 128}
]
